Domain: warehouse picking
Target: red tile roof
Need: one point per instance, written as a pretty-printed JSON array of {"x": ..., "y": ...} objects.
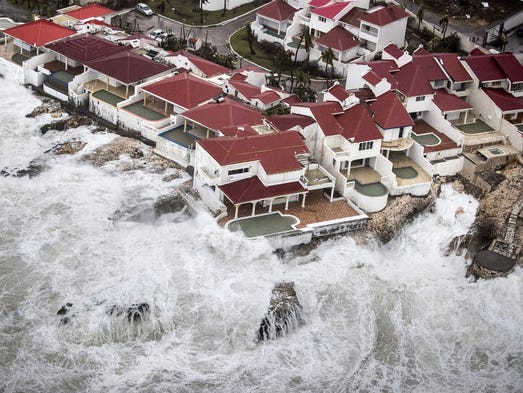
[
  {"x": 239, "y": 130},
  {"x": 384, "y": 16},
  {"x": 218, "y": 115},
  {"x": 277, "y": 10},
  {"x": 503, "y": 100},
  {"x": 268, "y": 97},
  {"x": 420, "y": 51},
  {"x": 276, "y": 152},
  {"x": 339, "y": 92},
  {"x": 39, "y": 33},
  {"x": 389, "y": 112},
  {"x": 485, "y": 68},
  {"x": 510, "y": 66},
  {"x": 323, "y": 113},
  {"x": 449, "y": 102},
  {"x": 319, "y": 3},
  {"x": 86, "y": 47},
  {"x": 286, "y": 122},
  {"x": 414, "y": 78},
  {"x": 292, "y": 100},
  {"x": 372, "y": 78},
  {"x": 183, "y": 89},
  {"x": 453, "y": 67},
  {"x": 208, "y": 68},
  {"x": 128, "y": 67},
  {"x": 357, "y": 125},
  {"x": 89, "y": 12},
  {"x": 384, "y": 69},
  {"x": 394, "y": 51},
  {"x": 338, "y": 38},
  {"x": 252, "y": 189},
  {"x": 330, "y": 11},
  {"x": 476, "y": 52}
]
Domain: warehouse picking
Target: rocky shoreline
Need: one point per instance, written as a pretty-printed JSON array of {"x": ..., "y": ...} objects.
[{"x": 492, "y": 216}]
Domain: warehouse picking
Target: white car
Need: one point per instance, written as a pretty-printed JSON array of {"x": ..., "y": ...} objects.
[
  {"x": 155, "y": 33},
  {"x": 144, "y": 9}
]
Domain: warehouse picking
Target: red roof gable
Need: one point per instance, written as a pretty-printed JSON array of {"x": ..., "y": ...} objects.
[
  {"x": 414, "y": 78},
  {"x": 86, "y": 47},
  {"x": 208, "y": 68},
  {"x": 89, "y": 12},
  {"x": 128, "y": 67},
  {"x": 218, "y": 115},
  {"x": 277, "y": 10},
  {"x": 485, "y": 67},
  {"x": 275, "y": 152},
  {"x": 449, "y": 102},
  {"x": 394, "y": 51},
  {"x": 319, "y": 3},
  {"x": 357, "y": 125},
  {"x": 288, "y": 121},
  {"x": 246, "y": 89},
  {"x": 324, "y": 113},
  {"x": 384, "y": 16},
  {"x": 372, "y": 78},
  {"x": 39, "y": 33},
  {"x": 330, "y": 11},
  {"x": 504, "y": 101},
  {"x": 420, "y": 51},
  {"x": 239, "y": 130},
  {"x": 252, "y": 189},
  {"x": 339, "y": 92},
  {"x": 389, "y": 112},
  {"x": 338, "y": 38},
  {"x": 183, "y": 89},
  {"x": 268, "y": 97},
  {"x": 453, "y": 67},
  {"x": 510, "y": 66}
]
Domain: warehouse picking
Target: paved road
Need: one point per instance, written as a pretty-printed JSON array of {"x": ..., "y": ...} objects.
[{"x": 215, "y": 35}]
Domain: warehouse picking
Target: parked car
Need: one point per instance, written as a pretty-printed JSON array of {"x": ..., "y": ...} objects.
[
  {"x": 155, "y": 33},
  {"x": 144, "y": 9},
  {"x": 164, "y": 37}
]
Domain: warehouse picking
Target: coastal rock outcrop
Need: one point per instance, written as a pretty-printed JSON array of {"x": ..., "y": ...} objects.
[
  {"x": 142, "y": 155},
  {"x": 33, "y": 169},
  {"x": 169, "y": 204},
  {"x": 69, "y": 147},
  {"x": 65, "y": 313},
  {"x": 64, "y": 124},
  {"x": 399, "y": 211},
  {"x": 134, "y": 313},
  {"x": 284, "y": 314},
  {"x": 48, "y": 105}
]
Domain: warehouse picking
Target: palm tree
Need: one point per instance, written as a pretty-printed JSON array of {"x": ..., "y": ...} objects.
[
  {"x": 200, "y": 4},
  {"x": 281, "y": 62},
  {"x": 327, "y": 57},
  {"x": 250, "y": 37},
  {"x": 224, "y": 7},
  {"x": 419, "y": 14},
  {"x": 307, "y": 41},
  {"x": 444, "y": 23}
]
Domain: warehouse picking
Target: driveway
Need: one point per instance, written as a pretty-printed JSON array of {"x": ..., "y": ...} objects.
[{"x": 215, "y": 35}]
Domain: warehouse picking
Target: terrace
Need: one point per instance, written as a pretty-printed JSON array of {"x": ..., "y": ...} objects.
[
  {"x": 431, "y": 139},
  {"x": 121, "y": 91},
  {"x": 477, "y": 127},
  {"x": 180, "y": 137},
  {"x": 317, "y": 209},
  {"x": 144, "y": 112},
  {"x": 407, "y": 171}
]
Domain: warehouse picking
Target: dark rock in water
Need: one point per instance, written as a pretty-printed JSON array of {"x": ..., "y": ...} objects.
[
  {"x": 34, "y": 168},
  {"x": 62, "y": 311},
  {"x": 61, "y": 125},
  {"x": 169, "y": 204},
  {"x": 65, "y": 321},
  {"x": 284, "y": 314},
  {"x": 69, "y": 304},
  {"x": 1, "y": 75},
  {"x": 136, "y": 312},
  {"x": 48, "y": 106}
]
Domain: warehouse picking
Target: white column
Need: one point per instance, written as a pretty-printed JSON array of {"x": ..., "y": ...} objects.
[
  {"x": 466, "y": 114},
  {"x": 303, "y": 202},
  {"x": 236, "y": 212},
  {"x": 332, "y": 194},
  {"x": 286, "y": 203},
  {"x": 270, "y": 205},
  {"x": 253, "y": 209}
]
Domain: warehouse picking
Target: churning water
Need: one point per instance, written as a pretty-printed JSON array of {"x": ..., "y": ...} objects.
[{"x": 393, "y": 318}]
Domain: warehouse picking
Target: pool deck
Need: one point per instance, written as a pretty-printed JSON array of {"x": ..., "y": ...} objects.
[
  {"x": 317, "y": 209},
  {"x": 400, "y": 160},
  {"x": 364, "y": 175},
  {"x": 421, "y": 127}
]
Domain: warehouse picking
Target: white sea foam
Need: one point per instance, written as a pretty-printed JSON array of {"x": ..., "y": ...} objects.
[{"x": 397, "y": 317}]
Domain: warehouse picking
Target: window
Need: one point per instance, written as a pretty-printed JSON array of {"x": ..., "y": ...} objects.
[
  {"x": 238, "y": 171},
  {"x": 420, "y": 98},
  {"x": 365, "y": 145},
  {"x": 322, "y": 19},
  {"x": 401, "y": 132}
]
